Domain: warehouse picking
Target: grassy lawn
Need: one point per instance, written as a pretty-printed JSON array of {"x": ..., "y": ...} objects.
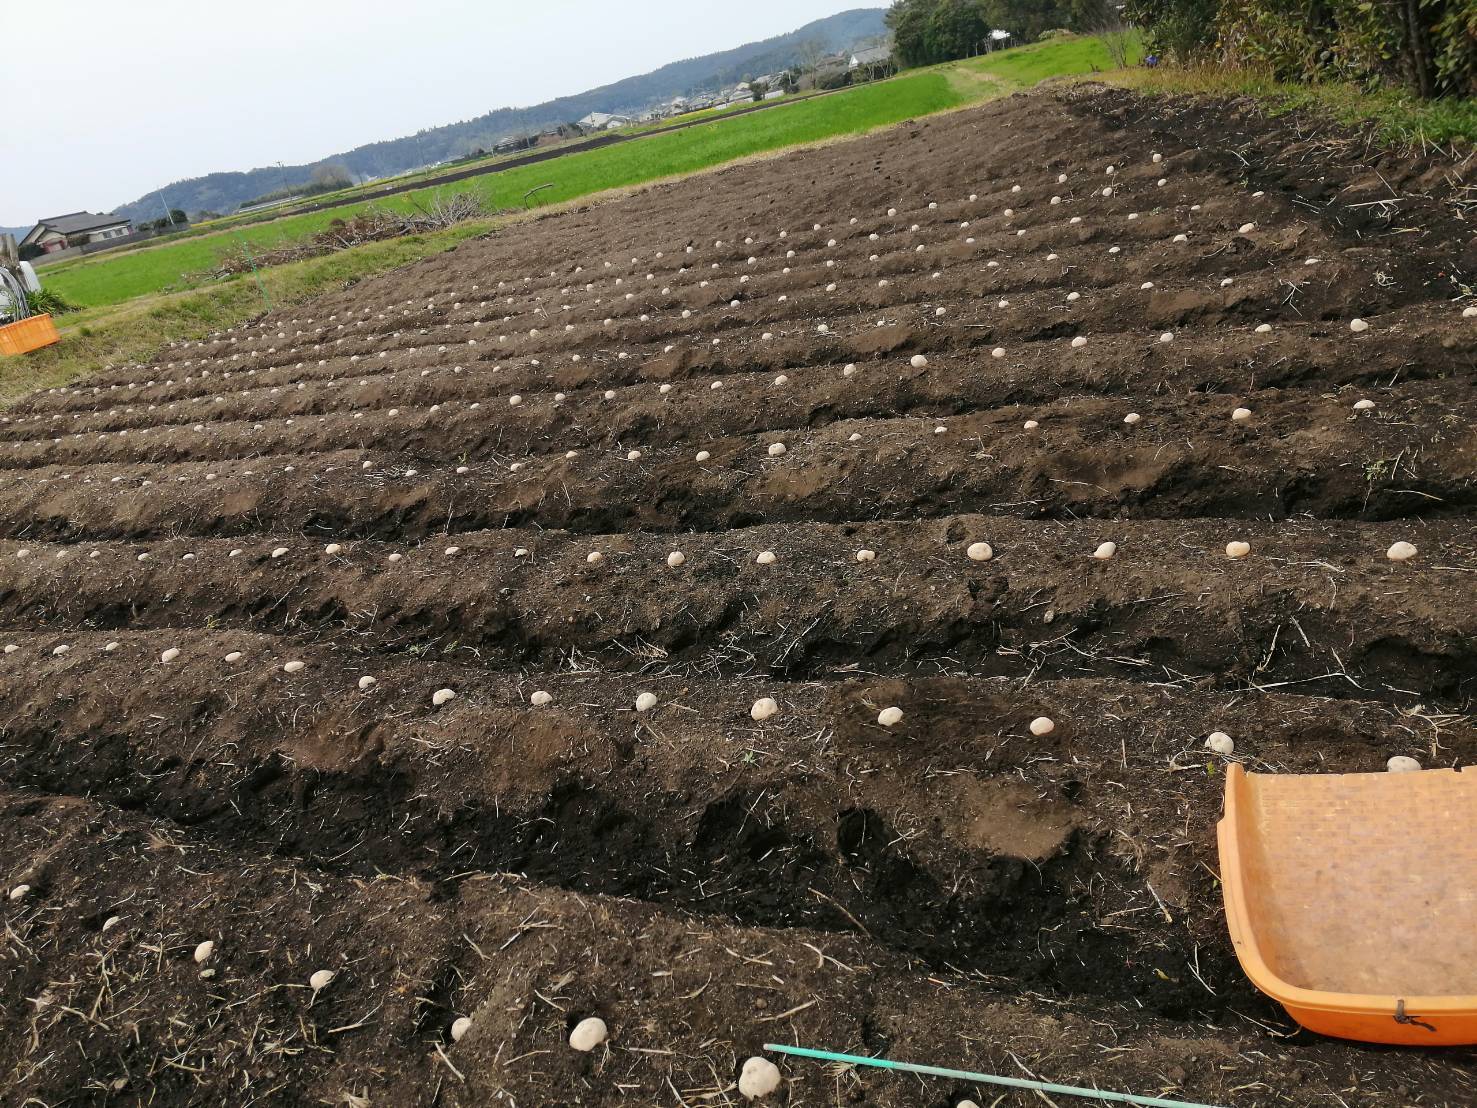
[{"x": 103, "y": 281}]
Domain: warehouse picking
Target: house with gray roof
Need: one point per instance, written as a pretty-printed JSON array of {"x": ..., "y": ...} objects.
[{"x": 58, "y": 232}]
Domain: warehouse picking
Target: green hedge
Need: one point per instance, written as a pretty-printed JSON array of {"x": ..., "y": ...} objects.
[{"x": 1426, "y": 46}]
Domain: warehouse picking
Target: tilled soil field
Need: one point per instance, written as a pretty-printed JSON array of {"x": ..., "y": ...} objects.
[{"x": 390, "y": 686}]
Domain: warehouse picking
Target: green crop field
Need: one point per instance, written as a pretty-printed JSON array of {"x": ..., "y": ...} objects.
[{"x": 114, "y": 279}]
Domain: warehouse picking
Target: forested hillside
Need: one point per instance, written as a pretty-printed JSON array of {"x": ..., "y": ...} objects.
[{"x": 222, "y": 192}]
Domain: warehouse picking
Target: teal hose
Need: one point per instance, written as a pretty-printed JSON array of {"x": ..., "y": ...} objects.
[{"x": 983, "y": 1078}]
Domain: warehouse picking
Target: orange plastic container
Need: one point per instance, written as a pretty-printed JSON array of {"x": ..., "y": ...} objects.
[
  {"x": 1352, "y": 900},
  {"x": 25, "y": 335}
]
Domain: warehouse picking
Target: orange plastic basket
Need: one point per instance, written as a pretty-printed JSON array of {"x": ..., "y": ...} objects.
[
  {"x": 1352, "y": 900},
  {"x": 25, "y": 335}
]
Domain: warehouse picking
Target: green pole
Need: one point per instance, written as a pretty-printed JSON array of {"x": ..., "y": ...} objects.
[
  {"x": 261, "y": 288},
  {"x": 983, "y": 1078}
]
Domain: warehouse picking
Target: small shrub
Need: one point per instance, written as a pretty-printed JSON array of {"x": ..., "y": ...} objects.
[{"x": 47, "y": 301}]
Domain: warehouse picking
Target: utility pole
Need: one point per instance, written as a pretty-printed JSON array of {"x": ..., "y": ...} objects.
[{"x": 167, "y": 213}]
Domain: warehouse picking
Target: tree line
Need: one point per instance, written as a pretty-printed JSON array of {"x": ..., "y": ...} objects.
[
  {"x": 929, "y": 31},
  {"x": 1426, "y": 46}
]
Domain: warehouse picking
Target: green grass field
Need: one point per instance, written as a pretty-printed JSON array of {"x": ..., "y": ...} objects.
[{"x": 114, "y": 279}]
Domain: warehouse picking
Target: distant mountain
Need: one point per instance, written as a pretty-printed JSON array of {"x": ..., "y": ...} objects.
[
  {"x": 223, "y": 192},
  {"x": 18, "y": 232}
]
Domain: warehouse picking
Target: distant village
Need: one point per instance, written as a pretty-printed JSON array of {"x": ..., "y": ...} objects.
[
  {"x": 55, "y": 238},
  {"x": 828, "y": 71}
]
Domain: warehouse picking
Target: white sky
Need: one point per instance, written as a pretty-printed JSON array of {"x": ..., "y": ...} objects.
[{"x": 97, "y": 110}]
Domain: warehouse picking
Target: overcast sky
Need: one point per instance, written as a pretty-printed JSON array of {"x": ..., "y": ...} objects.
[{"x": 105, "y": 100}]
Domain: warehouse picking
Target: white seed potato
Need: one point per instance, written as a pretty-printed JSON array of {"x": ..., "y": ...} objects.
[
  {"x": 1401, "y": 551},
  {"x": 1043, "y": 725},
  {"x": 1246, "y": 228},
  {"x": 453, "y": 551},
  {"x": 765, "y": 558},
  {"x": 890, "y": 717},
  {"x": 1105, "y": 551},
  {"x": 980, "y": 552},
  {"x": 1401, "y": 764},
  {"x": 758, "y": 1079},
  {"x": 1238, "y": 549},
  {"x": 1031, "y": 425},
  {"x": 1358, "y": 325},
  {"x": 1470, "y": 312},
  {"x": 367, "y": 682},
  {"x": 776, "y": 449},
  {"x": 514, "y": 400},
  {"x": 442, "y": 696},
  {"x": 676, "y": 558},
  {"x": 112, "y": 646},
  {"x": 865, "y": 555},
  {"x": 594, "y": 557},
  {"x": 333, "y": 548},
  {"x": 1079, "y": 342},
  {"x": 169, "y": 655},
  {"x": 459, "y": 1028},
  {"x": 589, "y": 1033},
  {"x": 1261, "y": 328},
  {"x": 1132, "y": 417},
  {"x": 540, "y": 698},
  {"x": 646, "y": 702},
  {"x": 763, "y": 708},
  {"x": 1364, "y": 405},
  {"x": 1241, "y": 415},
  {"x": 19, "y": 892},
  {"x": 294, "y": 667},
  {"x": 204, "y": 951},
  {"x": 279, "y": 552},
  {"x": 918, "y": 361},
  {"x": 234, "y": 656},
  {"x": 321, "y": 980},
  {"x": 703, "y": 455},
  {"x": 633, "y": 455},
  {"x": 1220, "y": 743}
]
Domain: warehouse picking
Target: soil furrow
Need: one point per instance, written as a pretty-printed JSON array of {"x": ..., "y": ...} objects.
[{"x": 1314, "y": 602}]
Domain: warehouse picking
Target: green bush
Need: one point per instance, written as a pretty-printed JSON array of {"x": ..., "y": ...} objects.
[
  {"x": 1426, "y": 46},
  {"x": 46, "y": 301},
  {"x": 1184, "y": 30}
]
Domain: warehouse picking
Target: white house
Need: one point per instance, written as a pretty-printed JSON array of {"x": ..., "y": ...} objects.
[
  {"x": 877, "y": 56},
  {"x": 602, "y": 121}
]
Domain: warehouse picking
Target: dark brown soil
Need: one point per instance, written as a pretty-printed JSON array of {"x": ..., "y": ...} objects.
[{"x": 351, "y": 489}]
